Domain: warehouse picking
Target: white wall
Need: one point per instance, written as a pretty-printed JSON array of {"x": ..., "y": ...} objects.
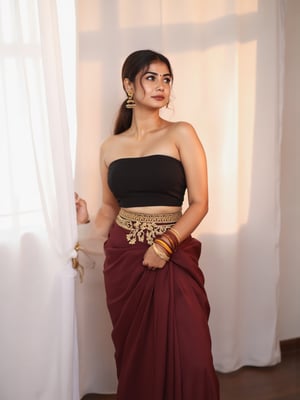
[{"x": 289, "y": 312}]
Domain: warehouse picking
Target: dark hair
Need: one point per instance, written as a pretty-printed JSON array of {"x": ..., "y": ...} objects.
[{"x": 135, "y": 63}]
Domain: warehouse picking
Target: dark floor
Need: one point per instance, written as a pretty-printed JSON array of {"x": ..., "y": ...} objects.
[{"x": 281, "y": 382}]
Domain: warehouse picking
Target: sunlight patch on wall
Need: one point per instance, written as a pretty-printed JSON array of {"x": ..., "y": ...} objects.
[
  {"x": 90, "y": 103},
  {"x": 230, "y": 73},
  {"x": 195, "y": 11},
  {"x": 90, "y": 15},
  {"x": 247, "y": 6},
  {"x": 138, "y": 13}
]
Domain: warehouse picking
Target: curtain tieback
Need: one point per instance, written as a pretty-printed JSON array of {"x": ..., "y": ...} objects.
[{"x": 76, "y": 264}]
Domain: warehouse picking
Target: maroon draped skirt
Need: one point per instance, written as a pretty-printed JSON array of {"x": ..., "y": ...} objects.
[{"x": 160, "y": 323}]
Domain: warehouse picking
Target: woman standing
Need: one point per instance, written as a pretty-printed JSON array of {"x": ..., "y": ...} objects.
[{"x": 154, "y": 287}]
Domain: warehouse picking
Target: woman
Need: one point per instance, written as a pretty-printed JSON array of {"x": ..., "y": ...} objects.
[{"x": 155, "y": 289}]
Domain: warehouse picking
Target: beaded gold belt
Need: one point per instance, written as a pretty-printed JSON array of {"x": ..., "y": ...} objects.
[{"x": 145, "y": 227}]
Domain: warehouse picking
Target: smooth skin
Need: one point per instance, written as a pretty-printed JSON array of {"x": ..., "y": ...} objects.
[{"x": 149, "y": 134}]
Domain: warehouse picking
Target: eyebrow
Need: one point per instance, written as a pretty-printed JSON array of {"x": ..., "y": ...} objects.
[{"x": 155, "y": 73}]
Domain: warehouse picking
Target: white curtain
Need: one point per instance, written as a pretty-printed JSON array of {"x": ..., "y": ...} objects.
[
  {"x": 37, "y": 217},
  {"x": 226, "y": 57}
]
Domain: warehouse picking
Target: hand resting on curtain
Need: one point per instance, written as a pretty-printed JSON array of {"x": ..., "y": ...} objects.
[
  {"x": 81, "y": 210},
  {"x": 90, "y": 238}
]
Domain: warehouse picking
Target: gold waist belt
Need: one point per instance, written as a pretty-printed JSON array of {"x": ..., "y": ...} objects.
[{"x": 145, "y": 227}]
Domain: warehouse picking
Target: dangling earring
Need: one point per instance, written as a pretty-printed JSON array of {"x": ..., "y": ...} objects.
[{"x": 130, "y": 103}]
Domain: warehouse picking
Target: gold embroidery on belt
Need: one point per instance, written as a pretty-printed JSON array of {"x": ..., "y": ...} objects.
[{"x": 143, "y": 227}]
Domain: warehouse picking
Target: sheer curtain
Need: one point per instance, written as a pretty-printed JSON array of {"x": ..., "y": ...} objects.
[
  {"x": 226, "y": 57},
  {"x": 37, "y": 218}
]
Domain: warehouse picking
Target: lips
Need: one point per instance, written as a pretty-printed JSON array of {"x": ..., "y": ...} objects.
[{"x": 160, "y": 98}]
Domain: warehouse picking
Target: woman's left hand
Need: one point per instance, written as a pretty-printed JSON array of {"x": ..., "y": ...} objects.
[
  {"x": 152, "y": 260},
  {"x": 81, "y": 210}
]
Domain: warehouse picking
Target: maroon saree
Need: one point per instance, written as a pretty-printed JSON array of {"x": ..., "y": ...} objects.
[{"x": 160, "y": 330}]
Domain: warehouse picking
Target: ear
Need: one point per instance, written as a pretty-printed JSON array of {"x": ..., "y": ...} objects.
[{"x": 128, "y": 85}]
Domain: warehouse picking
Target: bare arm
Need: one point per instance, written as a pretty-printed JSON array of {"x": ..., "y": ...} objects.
[{"x": 194, "y": 162}]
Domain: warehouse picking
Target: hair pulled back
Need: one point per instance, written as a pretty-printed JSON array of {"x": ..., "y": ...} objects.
[{"x": 135, "y": 63}]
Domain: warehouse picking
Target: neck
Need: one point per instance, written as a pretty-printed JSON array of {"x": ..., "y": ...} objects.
[{"x": 145, "y": 121}]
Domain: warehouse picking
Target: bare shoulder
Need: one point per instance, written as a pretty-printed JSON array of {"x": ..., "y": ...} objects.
[
  {"x": 105, "y": 144},
  {"x": 108, "y": 142},
  {"x": 183, "y": 126},
  {"x": 108, "y": 147},
  {"x": 182, "y": 129},
  {"x": 185, "y": 134},
  {"x": 191, "y": 152}
]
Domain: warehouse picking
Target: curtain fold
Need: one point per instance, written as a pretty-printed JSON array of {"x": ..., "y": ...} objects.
[
  {"x": 227, "y": 64},
  {"x": 37, "y": 214}
]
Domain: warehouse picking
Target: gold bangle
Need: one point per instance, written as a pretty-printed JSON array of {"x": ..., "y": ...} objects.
[
  {"x": 164, "y": 245},
  {"x": 171, "y": 239},
  {"x": 176, "y": 233},
  {"x": 160, "y": 254}
]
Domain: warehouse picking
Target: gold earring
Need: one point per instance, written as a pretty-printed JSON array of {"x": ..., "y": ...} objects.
[{"x": 130, "y": 103}]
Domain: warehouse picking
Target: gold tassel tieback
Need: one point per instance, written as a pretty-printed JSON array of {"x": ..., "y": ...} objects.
[
  {"x": 76, "y": 264},
  {"x": 75, "y": 261}
]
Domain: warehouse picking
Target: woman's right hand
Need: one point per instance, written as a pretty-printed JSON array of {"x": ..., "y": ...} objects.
[
  {"x": 152, "y": 260},
  {"x": 81, "y": 210}
]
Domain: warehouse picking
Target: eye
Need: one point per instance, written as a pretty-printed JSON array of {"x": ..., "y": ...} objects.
[
  {"x": 150, "y": 77},
  {"x": 167, "y": 80}
]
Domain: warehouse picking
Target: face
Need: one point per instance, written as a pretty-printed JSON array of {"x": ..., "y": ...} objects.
[{"x": 152, "y": 87}]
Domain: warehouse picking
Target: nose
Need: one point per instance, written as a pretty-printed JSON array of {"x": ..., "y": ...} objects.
[{"x": 160, "y": 85}]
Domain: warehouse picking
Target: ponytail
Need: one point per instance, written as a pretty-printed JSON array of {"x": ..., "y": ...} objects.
[{"x": 124, "y": 119}]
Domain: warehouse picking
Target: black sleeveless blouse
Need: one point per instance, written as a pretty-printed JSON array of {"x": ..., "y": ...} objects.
[{"x": 155, "y": 180}]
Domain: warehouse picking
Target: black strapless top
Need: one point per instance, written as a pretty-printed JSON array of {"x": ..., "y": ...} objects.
[{"x": 156, "y": 180}]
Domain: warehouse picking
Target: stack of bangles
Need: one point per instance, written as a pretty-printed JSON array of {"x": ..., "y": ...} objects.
[{"x": 165, "y": 245}]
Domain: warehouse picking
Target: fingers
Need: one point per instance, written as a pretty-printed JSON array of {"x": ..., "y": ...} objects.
[
  {"x": 151, "y": 267},
  {"x": 145, "y": 264},
  {"x": 77, "y": 199},
  {"x": 79, "y": 202}
]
